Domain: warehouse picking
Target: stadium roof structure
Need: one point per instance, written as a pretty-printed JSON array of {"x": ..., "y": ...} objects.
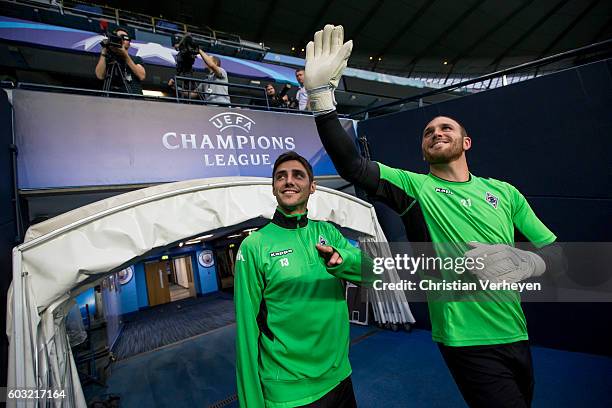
[{"x": 408, "y": 37}]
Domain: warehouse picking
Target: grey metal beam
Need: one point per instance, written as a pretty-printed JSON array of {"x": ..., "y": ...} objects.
[
  {"x": 400, "y": 33},
  {"x": 604, "y": 28},
  {"x": 213, "y": 13},
  {"x": 465, "y": 51},
  {"x": 569, "y": 28},
  {"x": 352, "y": 34},
  {"x": 445, "y": 33},
  {"x": 266, "y": 17},
  {"x": 527, "y": 33},
  {"x": 315, "y": 25}
]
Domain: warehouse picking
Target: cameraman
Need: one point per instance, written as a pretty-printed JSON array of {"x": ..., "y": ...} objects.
[
  {"x": 275, "y": 100},
  {"x": 214, "y": 92},
  {"x": 130, "y": 67}
]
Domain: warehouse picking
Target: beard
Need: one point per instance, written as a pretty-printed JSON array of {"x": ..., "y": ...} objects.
[{"x": 452, "y": 153}]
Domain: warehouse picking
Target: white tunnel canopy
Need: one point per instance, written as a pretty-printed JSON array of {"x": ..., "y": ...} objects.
[{"x": 60, "y": 254}]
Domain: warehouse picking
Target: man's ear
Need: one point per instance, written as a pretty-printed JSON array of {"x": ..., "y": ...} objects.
[
  {"x": 313, "y": 187},
  {"x": 467, "y": 143}
]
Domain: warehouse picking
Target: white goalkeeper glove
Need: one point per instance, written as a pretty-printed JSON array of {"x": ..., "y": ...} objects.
[
  {"x": 326, "y": 58},
  {"x": 504, "y": 263}
]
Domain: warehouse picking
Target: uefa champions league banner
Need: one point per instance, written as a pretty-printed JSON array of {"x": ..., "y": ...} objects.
[{"x": 76, "y": 140}]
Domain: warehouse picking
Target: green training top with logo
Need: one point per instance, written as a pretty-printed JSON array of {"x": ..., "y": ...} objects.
[
  {"x": 482, "y": 210},
  {"x": 292, "y": 329}
]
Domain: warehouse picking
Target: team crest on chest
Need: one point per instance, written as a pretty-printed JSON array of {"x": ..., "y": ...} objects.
[
  {"x": 322, "y": 240},
  {"x": 491, "y": 199}
]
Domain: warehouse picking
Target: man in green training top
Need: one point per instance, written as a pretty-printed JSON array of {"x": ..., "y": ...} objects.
[
  {"x": 292, "y": 330},
  {"x": 484, "y": 343}
]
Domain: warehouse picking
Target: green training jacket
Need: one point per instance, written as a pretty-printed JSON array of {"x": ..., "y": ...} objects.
[{"x": 292, "y": 329}]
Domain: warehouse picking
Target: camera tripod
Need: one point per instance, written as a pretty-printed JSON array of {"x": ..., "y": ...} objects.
[
  {"x": 112, "y": 68},
  {"x": 184, "y": 87}
]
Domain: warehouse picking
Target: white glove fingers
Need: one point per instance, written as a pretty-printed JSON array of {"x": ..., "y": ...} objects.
[
  {"x": 337, "y": 38},
  {"x": 318, "y": 43},
  {"x": 327, "y": 39},
  {"x": 310, "y": 52},
  {"x": 346, "y": 50}
]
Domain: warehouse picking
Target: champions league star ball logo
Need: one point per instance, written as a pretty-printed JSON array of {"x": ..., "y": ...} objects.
[{"x": 491, "y": 199}]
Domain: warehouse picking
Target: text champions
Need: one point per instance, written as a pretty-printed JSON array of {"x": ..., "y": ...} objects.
[{"x": 192, "y": 141}]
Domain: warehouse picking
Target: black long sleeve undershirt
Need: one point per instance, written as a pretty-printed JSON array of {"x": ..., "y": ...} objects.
[
  {"x": 556, "y": 263},
  {"x": 344, "y": 154}
]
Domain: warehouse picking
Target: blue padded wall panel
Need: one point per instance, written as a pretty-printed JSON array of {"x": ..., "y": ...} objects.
[{"x": 547, "y": 136}]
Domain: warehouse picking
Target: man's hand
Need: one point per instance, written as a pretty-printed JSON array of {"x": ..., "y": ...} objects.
[
  {"x": 326, "y": 58},
  {"x": 329, "y": 254},
  {"x": 504, "y": 263},
  {"x": 120, "y": 52}
]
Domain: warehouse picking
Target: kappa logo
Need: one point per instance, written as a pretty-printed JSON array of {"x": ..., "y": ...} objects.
[
  {"x": 443, "y": 190},
  {"x": 491, "y": 199},
  {"x": 227, "y": 120},
  {"x": 239, "y": 256},
  {"x": 322, "y": 240},
  {"x": 281, "y": 253}
]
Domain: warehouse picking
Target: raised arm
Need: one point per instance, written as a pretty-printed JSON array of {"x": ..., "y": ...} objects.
[
  {"x": 210, "y": 62},
  {"x": 344, "y": 154},
  {"x": 326, "y": 58}
]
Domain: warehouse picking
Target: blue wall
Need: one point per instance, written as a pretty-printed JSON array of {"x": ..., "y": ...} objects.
[
  {"x": 87, "y": 298},
  {"x": 544, "y": 136},
  {"x": 129, "y": 295},
  {"x": 141, "y": 286},
  {"x": 207, "y": 276},
  {"x": 134, "y": 295}
]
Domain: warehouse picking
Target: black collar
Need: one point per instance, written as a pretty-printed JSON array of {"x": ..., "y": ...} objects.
[{"x": 290, "y": 221}]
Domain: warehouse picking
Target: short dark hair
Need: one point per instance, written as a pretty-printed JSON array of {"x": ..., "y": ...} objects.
[
  {"x": 298, "y": 70},
  {"x": 217, "y": 60},
  {"x": 291, "y": 155},
  {"x": 121, "y": 29}
]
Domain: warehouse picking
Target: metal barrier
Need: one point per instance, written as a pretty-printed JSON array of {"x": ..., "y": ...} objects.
[{"x": 178, "y": 98}]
